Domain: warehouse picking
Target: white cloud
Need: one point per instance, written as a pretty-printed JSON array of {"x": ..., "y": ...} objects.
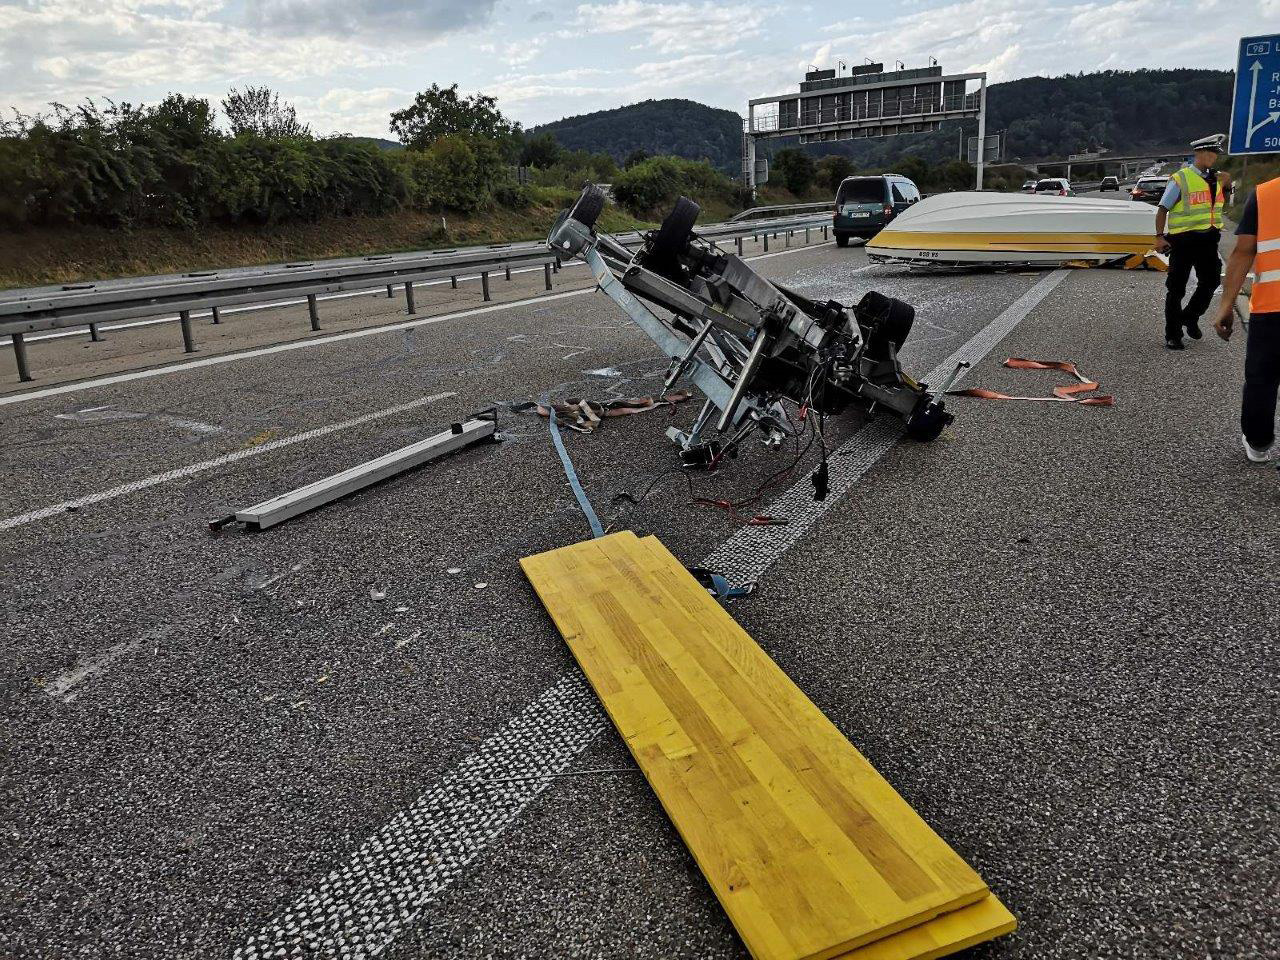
[
  {"x": 673, "y": 27},
  {"x": 388, "y": 20}
]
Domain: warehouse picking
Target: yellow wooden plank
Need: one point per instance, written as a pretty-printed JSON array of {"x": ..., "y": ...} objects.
[
  {"x": 944, "y": 935},
  {"x": 811, "y": 853}
]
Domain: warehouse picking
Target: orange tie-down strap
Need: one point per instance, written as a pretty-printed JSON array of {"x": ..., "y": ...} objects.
[{"x": 1069, "y": 393}]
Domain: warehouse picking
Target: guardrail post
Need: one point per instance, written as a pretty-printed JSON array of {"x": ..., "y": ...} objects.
[
  {"x": 824, "y": 233},
  {"x": 217, "y": 314},
  {"x": 555, "y": 265},
  {"x": 766, "y": 243},
  {"x": 546, "y": 274},
  {"x": 806, "y": 236},
  {"x": 409, "y": 306},
  {"x": 93, "y": 333},
  {"x": 738, "y": 241},
  {"x": 786, "y": 238},
  {"x": 188, "y": 341},
  {"x": 20, "y": 355},
  {"x": 508, "y": 270},
  {"x": 484, "y": 283},
  {"x": 313, "y": 311},
  {"x": 453, "y": 282},
  {"x": 390, "y": 293}
]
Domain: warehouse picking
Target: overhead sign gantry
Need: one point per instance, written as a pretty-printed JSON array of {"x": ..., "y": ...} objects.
[{"x": 865, "y": 101}]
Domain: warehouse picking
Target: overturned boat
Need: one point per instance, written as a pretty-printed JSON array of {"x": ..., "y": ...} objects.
[{"x": 1000, "y": 228}]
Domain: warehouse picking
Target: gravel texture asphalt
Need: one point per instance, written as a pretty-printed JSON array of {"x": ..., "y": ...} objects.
[{"x": 1050, "y": 631}]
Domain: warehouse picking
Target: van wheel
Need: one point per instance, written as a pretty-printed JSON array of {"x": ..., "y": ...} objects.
[{"x": 841, "y": 240}]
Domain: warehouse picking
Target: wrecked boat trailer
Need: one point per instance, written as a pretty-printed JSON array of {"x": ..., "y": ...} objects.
[{"x": 746, "y": 342}]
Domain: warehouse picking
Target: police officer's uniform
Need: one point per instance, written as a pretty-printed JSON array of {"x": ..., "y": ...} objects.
[{"x": 1194, "y": 201}]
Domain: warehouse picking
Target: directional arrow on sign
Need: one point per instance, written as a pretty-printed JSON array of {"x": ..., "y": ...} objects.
[{"x": 1253, "y": 99}]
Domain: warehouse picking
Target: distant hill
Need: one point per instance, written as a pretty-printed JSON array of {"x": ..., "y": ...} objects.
[
  {"x": 682, "y": 128},
  {"x": 378, "y": 142},
  {"x": 1045, "y": 117}
]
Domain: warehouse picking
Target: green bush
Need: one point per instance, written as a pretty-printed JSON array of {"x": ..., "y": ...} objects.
[
  {"x": 657, "y": 182},
  {"x": 795, "y": 169}
]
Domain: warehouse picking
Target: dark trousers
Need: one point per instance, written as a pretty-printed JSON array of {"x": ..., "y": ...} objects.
[
  {"x": 1261, "y": 381},
  {"x": 1191, "y": 251}
]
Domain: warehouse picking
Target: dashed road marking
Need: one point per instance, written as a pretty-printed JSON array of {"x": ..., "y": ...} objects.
[
  {"x": 177, "y": 474},
  {"x": 359, "y": 908}
]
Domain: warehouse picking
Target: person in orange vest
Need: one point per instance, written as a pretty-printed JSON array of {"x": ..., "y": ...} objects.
[
  {"x": 1257, "y": 246},
  {"x": 1189, "y": 229}
]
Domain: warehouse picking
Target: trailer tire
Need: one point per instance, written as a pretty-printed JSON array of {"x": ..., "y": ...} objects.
[
  {"x": 673, "y": 236},
  {"x": 589, "y": 205}
]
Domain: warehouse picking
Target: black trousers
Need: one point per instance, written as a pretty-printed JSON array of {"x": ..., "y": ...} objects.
[
  {"x": 1261, "y": 380},
  {"x": 1191, "y": 251}
]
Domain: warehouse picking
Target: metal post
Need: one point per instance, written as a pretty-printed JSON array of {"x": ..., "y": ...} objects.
[
  {"x": 546, "y": 274},
  {"x": 982, "y": 126},
  {"x": 20, "y": 355},
  {"x": 217, "y": 314},
  {"x": 453, "y": 282},
  {"x": 314, "y": 313},
  {"x": 484, "y": 283},
  {"x": 390, "y": 293},
  {"x": 508, "y": 271},
  {"x": 188, "y": 341},
  {"x": 409, "y": 306},
  {"x": 806, "y": 236},
  {"x": 738, "y": 241},
  {"x": 786, "y": 238},
  {"x": 93, "y": 333},
  {"x": 555, "y": 265},
  {"x": 766, "y": 242},
  {"x": 824, "y": 233}
]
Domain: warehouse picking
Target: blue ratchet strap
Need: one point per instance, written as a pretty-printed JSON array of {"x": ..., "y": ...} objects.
[
  {"x": 596, "y": 529},
  {"x": 718, "y": 585}
]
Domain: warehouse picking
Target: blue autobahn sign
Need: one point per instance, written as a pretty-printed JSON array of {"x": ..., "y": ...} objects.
[{"x": 1255, "y": 108}]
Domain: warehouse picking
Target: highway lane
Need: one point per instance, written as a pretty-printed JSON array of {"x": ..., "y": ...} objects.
[
  {"x": 201, "y": 727},
  {"x": 245, "y": 711}
]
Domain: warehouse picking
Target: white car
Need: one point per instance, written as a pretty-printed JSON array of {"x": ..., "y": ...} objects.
[{"x": 1055, "y": 186}]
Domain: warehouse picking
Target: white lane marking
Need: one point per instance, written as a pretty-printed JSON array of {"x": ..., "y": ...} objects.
[
  {"x": 180, "y": 472},
  {"x": 254, "y": 307},
  {"x": 304, "y": 344},
  {"x": 63, "y": 687},
  {"x": 357, "y": 910},
  {"x": 108, "y": 414}
]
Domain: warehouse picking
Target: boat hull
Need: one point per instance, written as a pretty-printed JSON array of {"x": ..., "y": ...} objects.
[{"x": 967, "y": 228}]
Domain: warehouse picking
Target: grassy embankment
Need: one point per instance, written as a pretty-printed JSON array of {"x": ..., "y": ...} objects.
[{"x": 68, "y": 254}]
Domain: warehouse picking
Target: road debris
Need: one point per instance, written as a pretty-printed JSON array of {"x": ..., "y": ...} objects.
[
  {"x": 745, "y": 342},
  {"x": 1070, "y": 393},
  {"x": 585, "y": 416},
  {"x": 377, "y": 594}
]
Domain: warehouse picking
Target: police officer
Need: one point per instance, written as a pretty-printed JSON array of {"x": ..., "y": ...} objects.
[
  {"x": 1257, "y": 246},
  {"x": 1189, "y": 228}
]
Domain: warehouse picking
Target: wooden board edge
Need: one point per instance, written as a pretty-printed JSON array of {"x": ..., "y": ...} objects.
[{"x": 943, "y": 935}]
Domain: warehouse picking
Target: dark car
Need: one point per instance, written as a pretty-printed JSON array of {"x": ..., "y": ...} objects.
[
  {"x": 1149, "y": 189},
  {"x": 1109, "y": 183},
  {"x": 865, "y": 204}
]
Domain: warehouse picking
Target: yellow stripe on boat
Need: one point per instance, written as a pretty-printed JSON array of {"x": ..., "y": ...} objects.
[{"x": 1013, "y": 242}]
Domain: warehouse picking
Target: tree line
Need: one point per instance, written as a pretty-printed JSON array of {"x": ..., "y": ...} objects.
[{"x": 172, "y": 165}]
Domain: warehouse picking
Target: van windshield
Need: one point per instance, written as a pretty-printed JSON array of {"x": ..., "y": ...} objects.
[{"x": 869, "y": 190}]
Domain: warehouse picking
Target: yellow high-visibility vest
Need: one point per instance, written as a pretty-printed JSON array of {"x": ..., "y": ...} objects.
[{"x": 1197, "y": 208}]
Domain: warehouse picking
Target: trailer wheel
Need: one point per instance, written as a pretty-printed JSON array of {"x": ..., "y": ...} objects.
[
  {"x": 673, "y": 236},
  {"x": 589, "y": 205}
]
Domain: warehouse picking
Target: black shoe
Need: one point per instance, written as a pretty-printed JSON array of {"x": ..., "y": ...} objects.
[
  {"x": 1174, "y": 343},
  {"x": 1193, "y": 330}
]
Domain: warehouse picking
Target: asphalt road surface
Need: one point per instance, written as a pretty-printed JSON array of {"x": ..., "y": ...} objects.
[{"x": 1053, "y": 631}]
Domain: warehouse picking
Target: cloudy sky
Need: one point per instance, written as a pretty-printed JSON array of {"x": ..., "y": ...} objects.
[{"x": 347, "y": 63}]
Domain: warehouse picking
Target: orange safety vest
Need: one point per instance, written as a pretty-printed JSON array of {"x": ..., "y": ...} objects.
[{"x": 1266, "y": 263}]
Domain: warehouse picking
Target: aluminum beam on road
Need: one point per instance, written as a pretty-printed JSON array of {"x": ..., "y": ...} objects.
[{"x": 268, "y": 513}]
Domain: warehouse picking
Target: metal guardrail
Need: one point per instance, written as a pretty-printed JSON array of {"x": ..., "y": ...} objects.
[
  {"x": 28, "y": 310},
  {"x": 776, "y": 208}
]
